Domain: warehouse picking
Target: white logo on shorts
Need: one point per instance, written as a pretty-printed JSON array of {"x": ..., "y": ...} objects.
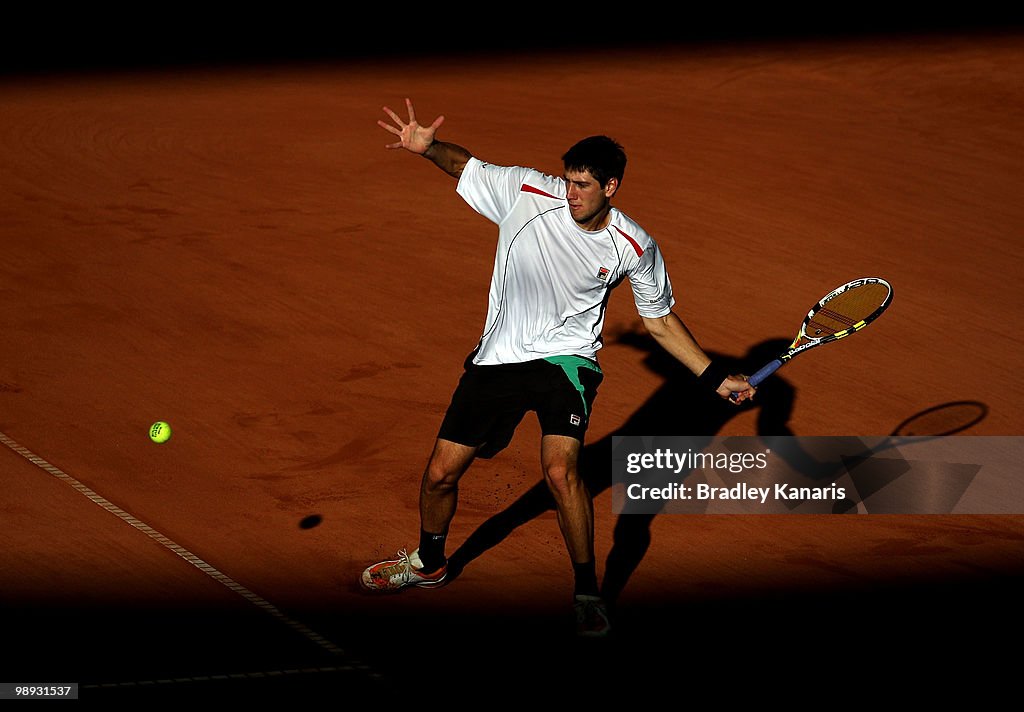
[{"x": 574, "y": 419}]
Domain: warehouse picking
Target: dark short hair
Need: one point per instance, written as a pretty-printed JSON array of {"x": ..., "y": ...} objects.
[{"x": 600, "y": 155}]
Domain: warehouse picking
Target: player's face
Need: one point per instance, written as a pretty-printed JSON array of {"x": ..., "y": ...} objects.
[{"x": 588, "y": 201}]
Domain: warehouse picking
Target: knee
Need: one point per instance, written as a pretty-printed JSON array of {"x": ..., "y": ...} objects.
[
  {"x": 439, "y": 479},
  {"x": 561, "y": 477}
]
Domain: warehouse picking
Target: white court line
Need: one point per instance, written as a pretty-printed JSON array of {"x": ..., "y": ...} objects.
[
  {"x": 184, "y": 553},
  {"x": 259, "y": 675}
]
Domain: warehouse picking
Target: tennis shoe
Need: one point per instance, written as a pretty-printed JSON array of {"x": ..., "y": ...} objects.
[
  {"x": 402, "y": 572},
  {"x": 591, "y": 617}
]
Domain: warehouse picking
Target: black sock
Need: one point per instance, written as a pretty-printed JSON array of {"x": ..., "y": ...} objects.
[
  {"x": 432, "y": 551},
  {"x": 586, "y": 579}
]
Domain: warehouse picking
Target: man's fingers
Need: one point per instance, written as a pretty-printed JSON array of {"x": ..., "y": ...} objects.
[
  {"x": 394, "y": 116},
  {"x": 410, "y": 132},
  {"x": 737, "y": 396},
  {"x": 389, "y": 127}
]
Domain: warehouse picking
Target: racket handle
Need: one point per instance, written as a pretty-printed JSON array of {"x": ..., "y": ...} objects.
[
  {"x": 767, "y": 370},
  {"x": 763, "y": 373}
]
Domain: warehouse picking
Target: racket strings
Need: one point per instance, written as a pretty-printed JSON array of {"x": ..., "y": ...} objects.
[{"x": 847, "y": 310}]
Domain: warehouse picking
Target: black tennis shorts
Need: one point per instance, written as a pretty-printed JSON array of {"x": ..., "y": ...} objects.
[{"x": 490, "y": 401}]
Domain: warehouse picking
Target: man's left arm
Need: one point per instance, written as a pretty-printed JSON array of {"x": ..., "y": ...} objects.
[{"x": 673, "y": 336}]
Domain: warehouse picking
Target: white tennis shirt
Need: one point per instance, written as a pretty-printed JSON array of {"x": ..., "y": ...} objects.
[{"x": 551, "y": 279}]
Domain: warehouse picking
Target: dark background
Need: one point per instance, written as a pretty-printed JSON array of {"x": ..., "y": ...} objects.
[{"x": 47, "y": 41}]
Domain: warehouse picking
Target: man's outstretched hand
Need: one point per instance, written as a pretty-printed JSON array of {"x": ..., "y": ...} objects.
[{"x": 412, "y": 136}]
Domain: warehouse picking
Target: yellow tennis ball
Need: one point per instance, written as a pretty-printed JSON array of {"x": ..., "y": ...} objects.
[{"x": 160, "y": 432}]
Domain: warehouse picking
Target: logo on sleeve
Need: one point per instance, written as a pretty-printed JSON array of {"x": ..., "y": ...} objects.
[
  {"x": 574, "y": 419},
  {"x": 602, "y": 274}
]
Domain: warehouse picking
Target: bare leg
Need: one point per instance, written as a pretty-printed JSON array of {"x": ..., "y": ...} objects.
[
  {"x": 439, "y": 490},
  {"x": 559, "y": 456}
]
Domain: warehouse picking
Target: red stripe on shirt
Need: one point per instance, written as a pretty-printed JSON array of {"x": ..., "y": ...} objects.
[
  {"x": 530, "y": 189},
  {"x": 636, "y": 247}
]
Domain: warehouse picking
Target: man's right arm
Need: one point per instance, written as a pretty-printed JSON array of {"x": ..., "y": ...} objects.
[{"x": 449, "y": 157}]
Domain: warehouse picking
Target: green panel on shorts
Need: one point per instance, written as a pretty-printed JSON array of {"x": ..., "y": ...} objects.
[{"x": 571, "y": 365}]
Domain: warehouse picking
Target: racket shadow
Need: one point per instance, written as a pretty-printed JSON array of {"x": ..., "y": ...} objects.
[{"x": 870, "y": 475}]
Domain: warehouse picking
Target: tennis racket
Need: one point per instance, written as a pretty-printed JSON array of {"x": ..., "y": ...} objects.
[{"x": 843, "y": 311}]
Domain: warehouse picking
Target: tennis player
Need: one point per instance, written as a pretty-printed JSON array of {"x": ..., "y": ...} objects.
[{"x": 561, "y": 249}]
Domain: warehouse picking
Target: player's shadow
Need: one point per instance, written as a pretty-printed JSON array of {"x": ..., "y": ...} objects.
[{"x": 680, "y": 406}]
